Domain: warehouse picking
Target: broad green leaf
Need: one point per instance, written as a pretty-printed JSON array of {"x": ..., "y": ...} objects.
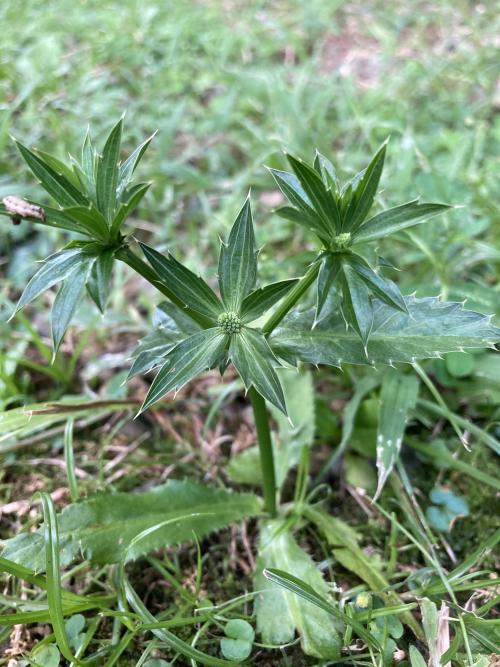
[
  {"x": 102, "y": 529},
  {"x": 128, "y": 207},
  {"x": 67, "y": 299},
  {"x": 189, "y": 287},
  {"x": 90, "y": 219},
  {"x": 263, "y": 298},
  {"x": 398, "y": 396},
  {"x": 254, "y": 361},
  {"x": 357, "y": 307},
  {"x": 430, "y": 328},
  {"x": 364, "y": 191},
  {"x": 54, "y": 269},
  {"x": 280, "y": 612},
  {"x": 323, "y": 200},
  {"x": 57, "y": 185},
  {"x": 128, "y": 167},
  {"x": 172, "y": 325},
  {"x": 383, "y": 289},
  {"x": 328, "y": 272},
  {"x": 396, "y": 219},
  {"x": 327, "y": 171},
  {"x": 107, "y": 172},
  {"x": 238, "y": 261},
  {"x": 192, "y": 356},
  {"x": 237, "y": 644},
  {"x": 344, "y": 542},
  {"x": 416, "y": 658},
  {"x": 99, "y": 280}
]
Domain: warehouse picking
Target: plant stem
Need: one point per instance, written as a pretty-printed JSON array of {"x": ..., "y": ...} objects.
[
  {"x": 265, "y": 449},
  {"x": 126, "y": 255},
  {"x": 291, "y": 299}
]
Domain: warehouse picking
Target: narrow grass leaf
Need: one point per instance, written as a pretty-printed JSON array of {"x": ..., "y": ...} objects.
[
  {"x": 258, "y": 302},
  {"x": 54, "y": 599},
  {"x": 107, "y": 172},
  {"x": 396, "y": 219},
  {"x": 69, "y": 460},
  {"x": 398, "y": 396},
  {"x": 238, "y": 261},
  {"x": 189, "y": 287},
  {"x": 254, "y": 361},
  {"x": 185, "y": 361}
]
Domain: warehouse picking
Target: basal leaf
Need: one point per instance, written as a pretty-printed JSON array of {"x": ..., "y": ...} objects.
[
  {"x": 189, "y": 287},
  {"x": 398, "y": 395},
  {"x": 107, "y": 172},
  {"x": 102, "y": 528},
  {"x": 263, "y": 298},
  {"x": 57, "y": 185},
  {"x": 346, "y": 550},
  {"x": 280, "y": 612},
  {"x": 396, "y": 219},
  {"x": 66, "y": 301},
  {"x": 99, "y": 280},
  {"x": 356, "y": 303},
  {"x": 364, "y": 191},
  {"x": 54, "y": 269},
  {"x": 322, "y": 199},
  {"x": 430, "y": 328},
  {"x": 238, "y": 261},
  {"x": 185, "y": 361},
  {"x": 254, "y": 361}
]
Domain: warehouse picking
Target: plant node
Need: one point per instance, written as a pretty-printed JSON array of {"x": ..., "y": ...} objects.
[
  {"x": 341, "y": 241},
  {"x": 230, "y": 323}
]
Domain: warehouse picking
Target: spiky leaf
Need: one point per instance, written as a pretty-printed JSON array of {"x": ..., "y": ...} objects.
[
  {"x": 254, "y": 361},
  {"x": 357, "y": 307},
  {"x": 102, "y": 528},
  {"x": 99, "y": 280},
  {"x": 185, "y": 361},
  {"x": 383, "y": 289},
  {"x": 263, "y": 298},
  {"x": 55, "y": 269},
  {"x": 238, "y": 261},
  {"x": 430, "y": 328},
  {"x": 189, "y": 287},
  {"x": 66, "y": 301},
  {"x": 364, "y": 191},
  {"x": 57, "y": 185},
  {"x": 396, "y": 219},
  {"x": 328, "y": 273},
  {"x": 107, "y": 172},
  {"x": 129, "y": 165}
]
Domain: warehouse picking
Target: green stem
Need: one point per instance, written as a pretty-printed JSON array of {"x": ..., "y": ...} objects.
[
  {"x": 265, "y": 449},
  {"x": 291, "y": 299},
  {"x": 126, "y": 255}
]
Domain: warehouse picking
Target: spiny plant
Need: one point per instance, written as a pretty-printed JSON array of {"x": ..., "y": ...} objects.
[{"x": 360, "y": 317}]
